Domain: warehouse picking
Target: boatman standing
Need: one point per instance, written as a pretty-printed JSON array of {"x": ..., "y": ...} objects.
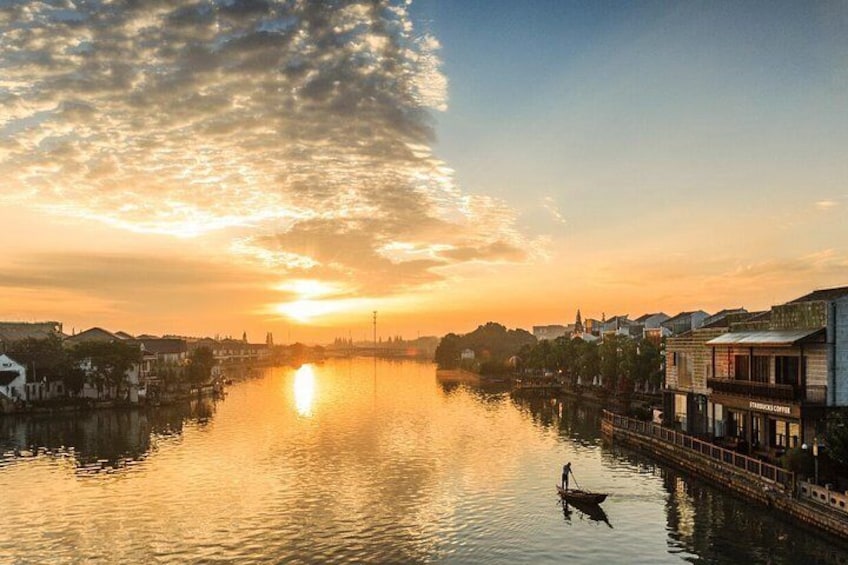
[{"x": 566, "y": 469}]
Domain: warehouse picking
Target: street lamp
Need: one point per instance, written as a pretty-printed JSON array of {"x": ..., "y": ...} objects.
[{"x": 816, "y": 459}]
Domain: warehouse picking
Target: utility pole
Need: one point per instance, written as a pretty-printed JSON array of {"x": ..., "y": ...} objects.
[{"x": 375, "y": 333}]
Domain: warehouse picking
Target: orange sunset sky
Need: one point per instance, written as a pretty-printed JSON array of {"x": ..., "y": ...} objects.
[{"x": 207, "y": 168}]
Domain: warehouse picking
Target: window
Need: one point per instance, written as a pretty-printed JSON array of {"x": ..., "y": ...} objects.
[
  {"x": 760, "y": 372},
  {"x": 740, "y": 367},
  {"x": 736, "y": 424},
  {"x": 684, "y": 370},
  {"x": 786, "y": 370},
  {"x": 794, "y": 433},
  {"x": 777, "y": 433}
]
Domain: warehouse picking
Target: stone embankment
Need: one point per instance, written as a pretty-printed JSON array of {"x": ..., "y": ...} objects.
[{"x": 755, "y": 480}]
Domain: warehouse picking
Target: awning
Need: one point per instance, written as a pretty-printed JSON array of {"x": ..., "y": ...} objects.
[{"x": 769, "y": 338}]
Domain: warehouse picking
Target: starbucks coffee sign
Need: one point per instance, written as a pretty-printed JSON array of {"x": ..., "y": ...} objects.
[{"x": 773, "y": 408}]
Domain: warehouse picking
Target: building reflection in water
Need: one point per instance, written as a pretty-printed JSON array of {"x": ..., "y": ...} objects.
[
  {"x": 580, "y": 422},
  {"x": 97, "y": 440},
  {"x": 701, "y": 520}
]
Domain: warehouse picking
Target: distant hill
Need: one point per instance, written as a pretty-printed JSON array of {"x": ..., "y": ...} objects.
[{"x": 491, "y": 343}]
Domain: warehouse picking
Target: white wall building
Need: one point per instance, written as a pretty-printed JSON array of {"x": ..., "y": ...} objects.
[{"x": 12, "y": 379}]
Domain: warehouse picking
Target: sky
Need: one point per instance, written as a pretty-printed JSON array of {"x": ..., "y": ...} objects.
[{"x": 228, "y": 166}]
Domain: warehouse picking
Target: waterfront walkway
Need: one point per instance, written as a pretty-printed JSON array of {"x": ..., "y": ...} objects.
[{"x": 747, "y": 476}]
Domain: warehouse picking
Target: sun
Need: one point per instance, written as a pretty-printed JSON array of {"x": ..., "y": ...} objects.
[
  {"x": 308, "y": 303},
  {"x": 306, "y": 310}
]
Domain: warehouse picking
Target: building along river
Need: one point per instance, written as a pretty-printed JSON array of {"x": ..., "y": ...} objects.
[{"x": 361, "y": 460}]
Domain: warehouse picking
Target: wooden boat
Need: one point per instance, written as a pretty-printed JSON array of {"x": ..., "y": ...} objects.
[{"x": 581, "y": 496}]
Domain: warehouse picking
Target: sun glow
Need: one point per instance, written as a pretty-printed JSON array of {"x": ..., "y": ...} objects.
[
  {"x": 307, "y": 306},
  {"x": 306, "y": 310},
  {"x": 309, "y": 288},
  {"x": 304, "y": 390}
]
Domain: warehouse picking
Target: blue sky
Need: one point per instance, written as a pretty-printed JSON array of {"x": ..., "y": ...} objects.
[{"x": 678, "y": 102}]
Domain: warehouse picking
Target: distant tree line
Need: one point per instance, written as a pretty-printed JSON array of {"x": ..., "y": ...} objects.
[{"x": 620, "y": 361}]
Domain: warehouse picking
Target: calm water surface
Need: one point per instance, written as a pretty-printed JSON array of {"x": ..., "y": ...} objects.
[{"x": 352, "y": 460}]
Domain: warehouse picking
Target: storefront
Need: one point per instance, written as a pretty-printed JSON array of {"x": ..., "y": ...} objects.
[{"x": 761, "y": 424}]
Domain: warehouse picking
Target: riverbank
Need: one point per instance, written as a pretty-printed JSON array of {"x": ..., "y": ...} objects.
[
  {"x": 639, "y": 404},
  {"x": 459, "y": 376},
  {"x": 74, "y": 405},
  {"x": 229, "y": 374},
  {"x": 757, "y": 481}
]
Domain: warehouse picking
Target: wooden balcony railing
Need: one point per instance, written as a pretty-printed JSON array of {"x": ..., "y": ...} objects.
[
  {"x": 813, "y": 394},
  {"x": 755, "y": 389}
]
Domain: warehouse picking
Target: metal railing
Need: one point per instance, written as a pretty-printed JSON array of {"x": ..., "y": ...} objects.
[{"x": 750, "y": 465}]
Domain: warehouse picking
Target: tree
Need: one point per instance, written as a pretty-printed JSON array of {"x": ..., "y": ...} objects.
[
  {"x": 448, "y": 351},
  {"x": 107, "y": 362},
  {"x": 647, "y": 366},
  {"x": 836, "y": 436},
  {"x": 492, "y": 344},
  {"x": 74, "y": 381},
  {"x": 610, "y": 357},
  {"x": 43, "y": 358},
  {"x": 200, "y": 366},
  {"x": 587, "y": 361}
]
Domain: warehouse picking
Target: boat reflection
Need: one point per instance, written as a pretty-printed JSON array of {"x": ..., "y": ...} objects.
[{"x": 592, "y": 512}]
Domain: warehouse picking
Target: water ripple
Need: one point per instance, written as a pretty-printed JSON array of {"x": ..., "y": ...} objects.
[{"x": 384, "y": 467}]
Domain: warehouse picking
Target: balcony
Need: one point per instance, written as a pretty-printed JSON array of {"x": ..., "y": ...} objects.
[{"x": 753, "y": 389}]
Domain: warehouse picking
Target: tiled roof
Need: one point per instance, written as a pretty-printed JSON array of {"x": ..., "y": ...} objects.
[
  {"x": 721, "y": 318},
  {"x": 766, "y": 337},
  {"x": 17, "y": 331},
  {"x": 163, "y": 346},
  {"x": 93, "y": 334},
  {"x": 823, "y": 294},
  {"x": 677, "y": 317},
  {"x": 645, "y": 317}
]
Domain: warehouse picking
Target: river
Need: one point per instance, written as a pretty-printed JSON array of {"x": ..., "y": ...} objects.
[{"x": 357, "y": 460}]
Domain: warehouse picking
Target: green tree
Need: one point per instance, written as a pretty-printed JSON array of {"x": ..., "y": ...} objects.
[
  {"x": 565, "y": 356},
  {"x": 448, "y": 351},
  {"x": 74, "y": 380},
  {"x": 200, "y": 365},
  {"x": 647, "y": 366},
  {"x": 107, "y": 363},
  {"x": 43, "y": 358},
  {"x": 587, "y": 360},
  {"x": 836, "y": 436},
  {"x": 610, "y": 352},
  {"x": 494, "y": 342}
]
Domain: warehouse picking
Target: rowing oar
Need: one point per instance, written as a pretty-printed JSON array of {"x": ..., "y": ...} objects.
[{"x": 575, "y": 480}]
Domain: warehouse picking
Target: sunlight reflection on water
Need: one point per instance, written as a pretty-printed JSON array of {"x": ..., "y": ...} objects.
[{"x": 304, "y": 390}]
